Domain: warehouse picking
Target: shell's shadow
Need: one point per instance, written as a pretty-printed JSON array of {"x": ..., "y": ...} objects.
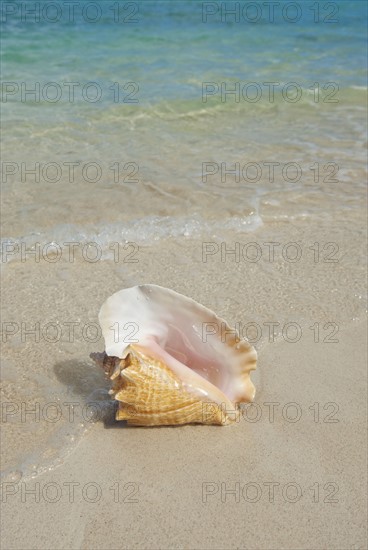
[{"x": 87, "y": 385}]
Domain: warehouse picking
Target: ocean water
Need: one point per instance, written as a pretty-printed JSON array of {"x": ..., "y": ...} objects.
[
  {"x": 136, "y": 109},
  {"x": 165, "y": 124}
]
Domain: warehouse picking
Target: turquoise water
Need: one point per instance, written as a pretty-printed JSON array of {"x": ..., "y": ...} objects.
[
  {"x": 149, "y": 92},
  {"x": 169, "y": 50}
]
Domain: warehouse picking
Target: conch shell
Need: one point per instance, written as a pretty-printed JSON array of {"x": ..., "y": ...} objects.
[{"x": 172, "y": 360}]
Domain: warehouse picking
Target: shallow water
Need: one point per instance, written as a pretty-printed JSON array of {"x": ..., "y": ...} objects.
[{"x": 176, "y": 142}]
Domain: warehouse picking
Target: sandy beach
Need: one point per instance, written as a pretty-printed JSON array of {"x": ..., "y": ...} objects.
[
  {"x": 271, "y": 483},
  {"x": 290, "y": 474},
  {"x": 221, "y": 155}
]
